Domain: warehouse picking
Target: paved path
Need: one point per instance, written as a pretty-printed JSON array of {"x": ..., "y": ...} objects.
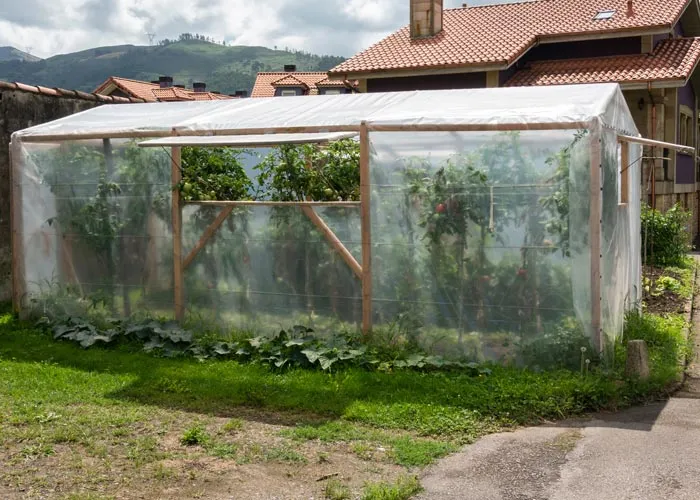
[{"x": 646, "y": 453}]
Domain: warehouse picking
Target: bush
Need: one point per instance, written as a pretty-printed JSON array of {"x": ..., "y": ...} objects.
[{"x": 665, "y": 236}]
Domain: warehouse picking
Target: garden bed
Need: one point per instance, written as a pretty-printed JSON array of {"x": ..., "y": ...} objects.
[{"x": 667, "y": 290}]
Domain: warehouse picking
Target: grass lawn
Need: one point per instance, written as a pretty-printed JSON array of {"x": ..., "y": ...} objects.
[{"x": 88, "y": 424}]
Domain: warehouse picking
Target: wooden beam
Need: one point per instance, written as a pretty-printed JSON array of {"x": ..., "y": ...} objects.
[
  {"x": 244, "y": 203},
  {"x": 178, "y": 282},
  {"x": 595, "y": 223},
  {"x": 661, "y": 144},
  {"x": 333, "y": 240},
  {"x": 308, "y": 129},
  {"x": 208, "y": 233},
  {"x": 16, "y": 223},
  {"x": 366, "y": 225}
]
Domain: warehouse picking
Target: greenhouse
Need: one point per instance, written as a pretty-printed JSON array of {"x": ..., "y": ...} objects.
[{"x": 473, "y": 222}]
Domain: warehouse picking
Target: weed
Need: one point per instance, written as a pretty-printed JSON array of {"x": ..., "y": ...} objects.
[
  {"x": 284, "y": 454},
  {"x": 34, "y": 451},
  {"x": 162, "y": 472},
  {"x": 324, "y": 458},
  {"x": 403, "y": 489},
  {"x": 232, "y": 426},
  {"x": 195, "y": 435},
  {"x": 363, "y": 450},
  {"x": 410, "y": 452},
  {"x": 143, "y": 450},
  {"x": 336, "y": 490},
  {"x": 223, "y": 450}
]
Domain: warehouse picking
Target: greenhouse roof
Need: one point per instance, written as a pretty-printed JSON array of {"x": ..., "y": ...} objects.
[
  {"x": 495, "y": 108},
  {"x": 243, "y": 141}
]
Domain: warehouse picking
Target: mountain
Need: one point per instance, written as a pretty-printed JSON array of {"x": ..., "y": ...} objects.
[
  {"x": 223, "y": 68},
  {"x": 13, "y": 54}
]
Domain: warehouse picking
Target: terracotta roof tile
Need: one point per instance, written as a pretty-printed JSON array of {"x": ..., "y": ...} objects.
[
  {"x": 497, "y": 35},
  {"x": 265, "y": 82},
  {"x": 672, "y": 59},
  {"x": 69, "y": 94},
  {"x": 290, "y": 81},
  {"x": 152, "y": 92}
]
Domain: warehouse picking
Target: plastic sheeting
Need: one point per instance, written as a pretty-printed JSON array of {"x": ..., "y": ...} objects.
[
  {"x": 527, "y": 106},
  {"x": 481, "y": 239}
]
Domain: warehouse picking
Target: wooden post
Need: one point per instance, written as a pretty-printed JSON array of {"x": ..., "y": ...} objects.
[
  {"x": 176, "y": 177},
  {"x": 595, "y": 223},
  {"x": 624, "y": 172},
  {"x": 366, "y": 221},
  {"x": 16, "y": 213}
]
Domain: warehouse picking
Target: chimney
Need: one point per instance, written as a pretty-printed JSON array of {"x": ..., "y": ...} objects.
[
  {"x": 241, "y": 93},
  {"x": 426, "y": 18},
  {"x": 630, "y": 8},
  {"x": 199, "y": 86},
  {"x": 165, "y": 82},
  {"x": 290, "y": 68}
]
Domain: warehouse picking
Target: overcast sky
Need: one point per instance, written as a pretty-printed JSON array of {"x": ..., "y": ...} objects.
[{"x": 336, "y": 27}]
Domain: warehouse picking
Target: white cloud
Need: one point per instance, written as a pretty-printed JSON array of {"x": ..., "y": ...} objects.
[{"x": 338, "y": 27}]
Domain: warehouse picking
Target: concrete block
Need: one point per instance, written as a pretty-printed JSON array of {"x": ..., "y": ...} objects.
[{"x": 637, "y": 359}]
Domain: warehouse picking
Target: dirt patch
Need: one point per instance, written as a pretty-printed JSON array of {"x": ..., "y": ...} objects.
[
  {"x": 150, "y": 462},
  {"x": 657, "y": 299}
]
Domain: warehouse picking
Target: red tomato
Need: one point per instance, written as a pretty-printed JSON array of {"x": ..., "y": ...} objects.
[{"x": 440, "y": 208}]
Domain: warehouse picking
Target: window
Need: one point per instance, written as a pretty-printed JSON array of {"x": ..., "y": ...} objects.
[
  {"x": 686, "y": 130},
  {"x": 332, "y": 91},
  {"x": 288, "y": 93},
  {"x": 604, "y": 14}
]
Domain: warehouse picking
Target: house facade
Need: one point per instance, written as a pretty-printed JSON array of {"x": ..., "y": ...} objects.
[
  {"x": 290, "y": 82},
  {"x": 647, "y": 46},
  {"x": 162, "y": 90}
]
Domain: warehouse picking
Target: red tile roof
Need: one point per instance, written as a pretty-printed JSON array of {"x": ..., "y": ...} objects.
[
  {"x": 289, "y": 81},
  {"x": 69, "y": 94},
  {"x": 152, "y": 92},
  {"x": 265, "y": 82},
  {"x": 672, "y": 59},
  {"x": 497, "y": 35}
]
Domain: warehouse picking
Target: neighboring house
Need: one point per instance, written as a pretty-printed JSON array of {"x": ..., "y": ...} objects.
[
  {"x": 23, "y": 106},
  {"x": 162, "y": 90},
  {"x": 292, "y": 83},
  {"x": 648, "y": 46}
]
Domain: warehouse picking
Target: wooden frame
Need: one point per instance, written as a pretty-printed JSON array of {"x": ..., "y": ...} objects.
[
  {"x": 595, "y": 223},
  {"x": 18, "y": 269},
  {"x": 624, "y": 172},
  {"x": 363, "y": 270},
  {"x": 176, "y": 214},
  {"x": 366, "y": 228}
]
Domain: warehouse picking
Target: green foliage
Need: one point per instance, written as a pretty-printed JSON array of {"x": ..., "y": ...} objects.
[
  {"x": 194, "y": 436},
  {"x": 295, "y": 173},
  {"x": 336, "y": 490},
  {"x": 665, "y": 236},
  {"x": 564, "y": 346},
  {"x": 411, "y": 452},
  {"x": 403, "y": 489},
  {"x": 665, "y": 341},
  {"x": 661, "y": 285},
  {"x": 213, "y": 174}
]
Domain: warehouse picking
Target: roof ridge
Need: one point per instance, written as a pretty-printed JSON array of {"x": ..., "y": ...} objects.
[
  {"x": 502, "y": 4},
  {"x": 68, "y": 94}
]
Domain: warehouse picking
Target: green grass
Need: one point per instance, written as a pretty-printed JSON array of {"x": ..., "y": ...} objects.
[
  {"x": 336, "y": 490},
  {"x": 404, "y": 488}
]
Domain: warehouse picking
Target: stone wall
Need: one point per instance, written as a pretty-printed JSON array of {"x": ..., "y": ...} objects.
[{"x": 23, "y": 106}]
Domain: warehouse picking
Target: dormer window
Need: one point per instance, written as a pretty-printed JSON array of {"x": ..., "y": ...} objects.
[
  {"x": 603, "y": 15},
  {"x": 288, "y": 92}
]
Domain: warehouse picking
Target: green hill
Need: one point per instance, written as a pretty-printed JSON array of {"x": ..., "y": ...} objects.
[
  {"x": 13, "y": 54},
  {"x": 223, "y": 68}
]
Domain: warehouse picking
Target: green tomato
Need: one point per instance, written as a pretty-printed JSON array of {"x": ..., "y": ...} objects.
[
  {"x": 187, "y": 187},
  {"x": 212, "y": 195},
  {"x": 328, "y": 192}
]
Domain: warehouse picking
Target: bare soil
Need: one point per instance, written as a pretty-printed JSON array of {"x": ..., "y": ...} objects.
[{"x": 666, "y": 301}]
